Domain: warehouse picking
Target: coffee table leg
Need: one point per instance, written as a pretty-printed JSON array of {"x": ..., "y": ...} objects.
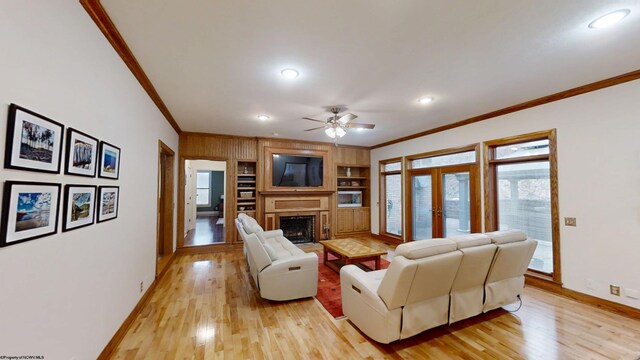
[
  {"x": 326, "y": 256},
  {"x": 377, "y": 261}
]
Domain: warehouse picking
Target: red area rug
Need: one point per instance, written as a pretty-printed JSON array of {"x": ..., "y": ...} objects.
[{"x": 329, "y": 293}]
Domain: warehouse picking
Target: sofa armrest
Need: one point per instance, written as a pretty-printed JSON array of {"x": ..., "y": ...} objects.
[
  {"x": 305, "y": 261},
  {"x": 294, "y": 277},
  {"x": 353, "y": 279},
  {"x": 273, "y": 233},
  {"x": 258, "y": 254}
]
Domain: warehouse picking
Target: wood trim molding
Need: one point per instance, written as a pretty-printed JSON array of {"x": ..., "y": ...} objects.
[
  {"x": 604, "y": 304},
  {"x": 387, "y": 239},
  {"x": 104, "y": 23},
  {"x": 598, "y": 85},
  {"x": 122, "y": 331},
  {"x": 212, "y": 248}
]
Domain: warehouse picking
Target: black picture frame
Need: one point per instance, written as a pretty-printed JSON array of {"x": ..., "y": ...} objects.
[
  {"x": 109, "y": 161},
  {"x": 74, "y": 217},
  {"x": 105, "y": 202},
  {"x": 33, "y": 142},
  {"x": 80, "y": 149},
  {"x": 24, "y": 207}
]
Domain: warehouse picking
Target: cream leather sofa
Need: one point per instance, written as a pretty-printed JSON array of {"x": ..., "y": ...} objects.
[
  {"x": 435, "y": 282},
  {"x": 280, "y": 270}
]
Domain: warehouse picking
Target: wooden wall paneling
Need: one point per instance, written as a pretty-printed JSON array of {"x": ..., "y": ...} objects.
[
  {"x": 270, "y": 222},
  {"x": 352, "y": 155}
]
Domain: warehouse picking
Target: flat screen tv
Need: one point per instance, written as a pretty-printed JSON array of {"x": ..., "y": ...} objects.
[{"x": 297, "y": 170}]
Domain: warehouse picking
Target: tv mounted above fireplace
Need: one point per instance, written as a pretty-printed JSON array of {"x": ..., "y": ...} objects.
[{"x": 297, "y": 170}]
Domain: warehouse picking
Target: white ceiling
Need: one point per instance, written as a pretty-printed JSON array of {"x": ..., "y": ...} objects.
[{"x": 216, "y": 63}]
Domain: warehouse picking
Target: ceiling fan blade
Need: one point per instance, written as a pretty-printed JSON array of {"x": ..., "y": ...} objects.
[
  {"x": 320, "y": 121},
  {"x": 346, "y": 118},
  {"x": 359, "y": 126},
  {"x": 316, "y": 128}
]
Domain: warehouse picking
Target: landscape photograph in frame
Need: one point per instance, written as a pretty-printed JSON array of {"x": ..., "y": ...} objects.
[
  {"x": 29, "y": 211},
  {"x": 109, "y": 161},
  {"x": 82, "y": 154},
  {"x": 108, "y": 197},
  {"x": 33, "y": 142},
  {"x": 79, "y": 206}
]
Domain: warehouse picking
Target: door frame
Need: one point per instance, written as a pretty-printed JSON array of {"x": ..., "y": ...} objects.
[
  {"x": 437, "y": 197},
  {"x": 182, "y": 182},
  {"x": 165, "y": 206}
]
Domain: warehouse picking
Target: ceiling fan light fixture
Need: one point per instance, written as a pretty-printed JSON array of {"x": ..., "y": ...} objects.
[
  {"x": 331, "y": 132},
  {"x": 290, "y": 73},
  {"x": 426, "y": 100},
  {"x": 340, "y": 132},
  {"x": 609, "y": 19}
]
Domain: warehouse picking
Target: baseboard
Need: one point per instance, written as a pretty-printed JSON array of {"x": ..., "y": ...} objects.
[
  {"x": 204, "y": 249},
  {"x": 119, "y": 335},
  {"x": 387, "y": 239},
  {"x": 603, "y": 304}
]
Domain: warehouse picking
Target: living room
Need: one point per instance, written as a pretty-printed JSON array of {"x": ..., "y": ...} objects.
[{"x": 69, "y": 294}]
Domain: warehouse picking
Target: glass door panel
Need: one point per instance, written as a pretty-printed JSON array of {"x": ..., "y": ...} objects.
[
  {"x": 421, "y": 207},
  {"x": 456, "y": 210}
]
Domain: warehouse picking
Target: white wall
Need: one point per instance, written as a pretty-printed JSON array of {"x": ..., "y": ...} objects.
[
  {"x": 64, "y": 296},
  {"x": 599, "y": 180}
]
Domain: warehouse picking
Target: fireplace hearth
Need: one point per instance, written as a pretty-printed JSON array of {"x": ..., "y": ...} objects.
[{"x": 299, "y": 229}]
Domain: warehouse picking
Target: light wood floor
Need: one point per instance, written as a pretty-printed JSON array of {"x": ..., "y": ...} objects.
[{"x": 206, "y": 307}]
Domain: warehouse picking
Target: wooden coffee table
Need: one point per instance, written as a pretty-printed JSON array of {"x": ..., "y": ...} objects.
[{"x": 349, "y": 251}]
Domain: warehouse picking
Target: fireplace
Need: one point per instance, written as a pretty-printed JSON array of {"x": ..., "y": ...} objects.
[{"x": 299, "y": 229}]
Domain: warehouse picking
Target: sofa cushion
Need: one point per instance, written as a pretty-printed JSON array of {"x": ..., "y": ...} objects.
[
  {"x": 470, "y": 240},
  {"x": 507, "y": 236},
  {"x": 283, "y": 247},
  {"x": 272, "y": 253},
  {"x": 423, "y": 248}
]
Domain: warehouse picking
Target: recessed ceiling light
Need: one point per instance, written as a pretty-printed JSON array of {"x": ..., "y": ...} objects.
[
  {"x": 275, "y": 134},
  {"x": 359, "y": 129},
  {"x": 609, "y": 19},
  {"x": 263, "y": 117},
  {"x": 425, "y": 100},
  {"x": 290, "y": 73}
]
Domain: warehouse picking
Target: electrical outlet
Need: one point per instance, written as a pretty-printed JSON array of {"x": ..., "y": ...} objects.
[
  {"x": 614, "y": 290},
  {"x": 141, "y": 286},
  {"x": 570, "y": 221}
]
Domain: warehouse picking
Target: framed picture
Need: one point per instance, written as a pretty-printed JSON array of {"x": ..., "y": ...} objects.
[
  {"x": 108, "y": 202},
  {"x": 79, "y": 206},
  {"x": 29, "y": 211},
  {"x": 34, "y": 142},
  {"x": 82, "y": 153},
  {"x": 109, "y": 161}
]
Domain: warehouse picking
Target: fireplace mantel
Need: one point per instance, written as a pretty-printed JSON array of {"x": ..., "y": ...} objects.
[{"x": 277, "y": 204}]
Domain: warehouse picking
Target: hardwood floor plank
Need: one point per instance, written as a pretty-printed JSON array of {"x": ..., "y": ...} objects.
[{"x": 207, "y": 307}]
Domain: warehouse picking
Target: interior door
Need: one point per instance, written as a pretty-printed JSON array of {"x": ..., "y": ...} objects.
[{"x": 441, "y": 201}]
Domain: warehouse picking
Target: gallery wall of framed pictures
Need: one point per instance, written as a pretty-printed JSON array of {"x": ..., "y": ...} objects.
[{"x": 30, "y": 210}]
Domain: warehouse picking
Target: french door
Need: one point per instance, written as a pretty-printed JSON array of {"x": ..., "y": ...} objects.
[{"x": 443, "y": 201}]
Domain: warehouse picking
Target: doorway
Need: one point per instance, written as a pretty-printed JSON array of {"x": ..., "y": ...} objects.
[
  {"x": 204, "y": 202},
  {"x": 442, "y": 202},
  {"x": 164, "y": 242}
]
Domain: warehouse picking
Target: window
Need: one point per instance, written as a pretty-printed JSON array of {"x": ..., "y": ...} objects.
[
  {"x": 391, "y": 197},
  {"x": 203, "y": 188},
  {"x": 522, "y": 193}
]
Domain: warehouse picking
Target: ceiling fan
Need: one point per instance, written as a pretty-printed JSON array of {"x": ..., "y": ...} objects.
[{"x": 336, "y": 126}]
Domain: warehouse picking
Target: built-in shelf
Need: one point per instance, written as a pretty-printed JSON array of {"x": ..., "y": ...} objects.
[
  {"x": 353, "y": 219},
  {"x": 245, "y": 183}
]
